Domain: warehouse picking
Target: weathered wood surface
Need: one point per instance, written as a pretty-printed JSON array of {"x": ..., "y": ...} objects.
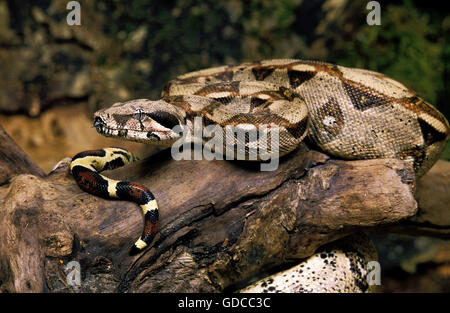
[
  {"x": 433, "y": 197},
  {"x": 221, "y": 222}
]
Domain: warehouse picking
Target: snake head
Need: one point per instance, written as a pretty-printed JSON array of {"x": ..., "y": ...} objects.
[{"x": 141, "y": 120}]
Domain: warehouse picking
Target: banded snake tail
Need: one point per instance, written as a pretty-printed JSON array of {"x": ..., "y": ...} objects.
[{"x": 86, "y": 167}]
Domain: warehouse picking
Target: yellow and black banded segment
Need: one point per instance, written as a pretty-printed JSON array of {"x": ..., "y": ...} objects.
[{"x": 85, "y": 168}]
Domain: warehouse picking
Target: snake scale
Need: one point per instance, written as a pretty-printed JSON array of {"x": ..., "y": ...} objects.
[{"x": 348, "y": 113}]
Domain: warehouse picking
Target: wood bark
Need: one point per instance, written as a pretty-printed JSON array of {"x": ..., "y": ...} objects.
[
  {"x": 433, "y": 198},
  {"x": 221, "y": 222}
]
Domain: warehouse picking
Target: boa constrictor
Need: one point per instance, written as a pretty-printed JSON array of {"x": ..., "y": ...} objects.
[{"x": 348, "y": 113}]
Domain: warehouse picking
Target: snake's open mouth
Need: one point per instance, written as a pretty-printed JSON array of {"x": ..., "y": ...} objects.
[{"x": 102, "y": 128}]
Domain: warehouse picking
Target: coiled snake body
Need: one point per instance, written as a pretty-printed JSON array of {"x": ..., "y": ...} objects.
[{"x": 346, "y": 112}]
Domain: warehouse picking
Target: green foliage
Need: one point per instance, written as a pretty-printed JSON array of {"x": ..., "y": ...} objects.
[
  {"x": 403, "y": 47},
  {"x": 185, "y": 35}
]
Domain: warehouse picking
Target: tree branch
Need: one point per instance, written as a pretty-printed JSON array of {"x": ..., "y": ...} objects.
[{"x": 221, "y": 222}]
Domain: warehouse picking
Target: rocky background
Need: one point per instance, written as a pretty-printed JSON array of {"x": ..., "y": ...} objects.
[{"x": 54, "y": 76}]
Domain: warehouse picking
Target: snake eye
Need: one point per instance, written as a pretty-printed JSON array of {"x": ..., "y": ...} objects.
[
  {"x": 153, "y": 136},
  {"x": 164, "y": 118}
]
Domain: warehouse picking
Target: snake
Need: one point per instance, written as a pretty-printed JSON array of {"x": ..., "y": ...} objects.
[
  {"x": 86, "y": 167},
  {"x": 348, "y": 113}
]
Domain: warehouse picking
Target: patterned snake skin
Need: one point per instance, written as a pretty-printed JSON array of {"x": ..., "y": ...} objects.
[
  {"x": 346, "y": 112},
  {"x": 339, "y": 266}
]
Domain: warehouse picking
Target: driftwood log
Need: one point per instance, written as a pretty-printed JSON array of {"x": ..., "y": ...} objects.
[{"x": 221, "y": 222}]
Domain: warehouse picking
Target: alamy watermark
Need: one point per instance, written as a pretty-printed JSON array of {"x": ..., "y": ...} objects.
[
  {"x": 73, "y": 277},
  {"x": 234, "y": 142},
  {"x": 74, "y": 16},
  {"x": 374, "y": 16},
  {"x": 373, "y": 273}
]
